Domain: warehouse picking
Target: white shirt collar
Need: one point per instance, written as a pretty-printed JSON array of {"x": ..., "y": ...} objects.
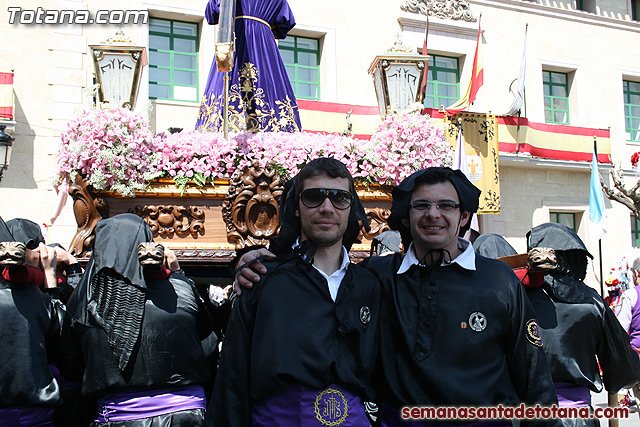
[
  {"x": 466, "y": 260},
  {"x": 335, "y": 279}
]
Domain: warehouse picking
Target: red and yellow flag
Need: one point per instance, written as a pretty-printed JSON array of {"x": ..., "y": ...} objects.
[
  {"x": 6, "y": 96},
  {"x": 477, "y": 78}
]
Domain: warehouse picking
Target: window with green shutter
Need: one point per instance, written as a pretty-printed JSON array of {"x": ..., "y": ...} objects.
[
  {"x": 556, "y": 97},
  {"x": 301, "y": 57},
  {"x": 564, "y": 218},
  {"x": 173, "y": 60},
  {"x": 635, "y": 232},
  {"x": 443, "y": 82},
  {"x": 632, "y": 110}
]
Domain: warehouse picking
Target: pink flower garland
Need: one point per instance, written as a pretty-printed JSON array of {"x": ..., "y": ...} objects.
[{"x": 116, "y": 151}]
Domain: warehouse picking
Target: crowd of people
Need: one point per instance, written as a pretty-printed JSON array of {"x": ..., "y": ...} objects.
[{"x": 311, "y": 339}]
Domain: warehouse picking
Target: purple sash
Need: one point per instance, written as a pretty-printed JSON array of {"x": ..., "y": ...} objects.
[
  {"x": 22, "y": 416},
  {"x": 634, "y": 327},
  {"x": 390, "y": 417},
  {"x": 571, "y": 395},
  {"x": 134, "y": 404},
  {"x": 305, "y": 407}
]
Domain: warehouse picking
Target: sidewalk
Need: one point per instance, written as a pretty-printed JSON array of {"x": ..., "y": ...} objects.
[{"x": 599, "y": 400}]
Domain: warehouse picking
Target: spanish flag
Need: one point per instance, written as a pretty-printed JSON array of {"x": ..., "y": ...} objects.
[
  {"x": 474, "y": 83},
  {"x": 6, "y": 96}
]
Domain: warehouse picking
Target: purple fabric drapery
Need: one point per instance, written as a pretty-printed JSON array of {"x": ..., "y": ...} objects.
[
  {"x": 22, "y": 416},
  {"x": 134, "y": 404},
  {"x": 634, "y": 329},
  {"x": 260, "y": 95},
  {"x": 571, "y": 395}
]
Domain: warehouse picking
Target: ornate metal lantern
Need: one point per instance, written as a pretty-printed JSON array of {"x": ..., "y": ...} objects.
[
  {"x": 397, "y": 78},
  {"x": 118, "y": 65},
  {"x": 6, "y": 141}
]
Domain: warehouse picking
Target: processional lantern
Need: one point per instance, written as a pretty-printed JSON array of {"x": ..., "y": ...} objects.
[
  {"x": 118, "y": 66},
  {"x": 397, "y": 78},
  {"x": 225, "y": 45},
  {"x": 6, "y": 142}
]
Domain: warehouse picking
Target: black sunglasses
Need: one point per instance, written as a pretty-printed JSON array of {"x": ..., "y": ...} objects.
[{"x": 314, "y": 197}]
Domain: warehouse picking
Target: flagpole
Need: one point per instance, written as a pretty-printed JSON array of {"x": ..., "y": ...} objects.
[
  {"x": 524, "y": 88},
  {"x": 595, "y": 150},
  {"x": 425, "y": 75}
]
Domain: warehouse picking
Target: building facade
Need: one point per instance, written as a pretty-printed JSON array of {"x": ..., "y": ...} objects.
[{"x": 582, "y": 74}]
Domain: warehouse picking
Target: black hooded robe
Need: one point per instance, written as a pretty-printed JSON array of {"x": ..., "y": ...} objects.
[
  {"x": 581, "y": 334},
  {"x": 29, "y": 330},
  {"x": 154, "y": 342}
]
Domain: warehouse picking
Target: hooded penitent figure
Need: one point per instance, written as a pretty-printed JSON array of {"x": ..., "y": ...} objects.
[
  {"x": 304, "y": 337},
  {"x": 493, "y": 246},
  {"x": 457, "y": 328},
  {"x": 26, "y": 231},
  {"x": 581, "y": 334},
  {"x": 139, "y": 333},
  {"x": 29, "y": 330}
]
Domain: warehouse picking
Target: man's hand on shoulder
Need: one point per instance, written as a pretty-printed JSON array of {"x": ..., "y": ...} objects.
[{"x": 250, "y": 269}]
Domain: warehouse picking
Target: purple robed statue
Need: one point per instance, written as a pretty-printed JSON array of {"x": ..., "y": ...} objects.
[{"x": 260, "y": 95}]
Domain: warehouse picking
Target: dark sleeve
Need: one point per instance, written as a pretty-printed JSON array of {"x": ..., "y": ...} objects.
[
  {"x": 24, "y": 275},
  {"x": 619, "y": 362},
  {"x": 283, "y": 21},
  {"x": 71, "y": 362},
  {"x": 52, "y": 336},
  {"x": 231, "y": 404},
  {"x": 212, "y": 12},
  {"x": 527, "y": 362}
]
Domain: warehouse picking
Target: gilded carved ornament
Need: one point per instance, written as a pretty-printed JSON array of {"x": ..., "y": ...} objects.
[{"x": 457, "y": 10}]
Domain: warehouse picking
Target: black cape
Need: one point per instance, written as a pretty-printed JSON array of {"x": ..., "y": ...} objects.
[
  {"x": 287, "y": 330},
  {"x": 431, "y": 355},
  {"x": 168, "y": 351}
]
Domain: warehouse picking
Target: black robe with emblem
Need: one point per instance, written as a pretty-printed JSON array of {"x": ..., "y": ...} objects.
[
  {"x": 576, "y": 324},
  {"x": 432, "y": 356},
  {"x": 578, "y": 329},
  {"x": 287, "y": 330}
]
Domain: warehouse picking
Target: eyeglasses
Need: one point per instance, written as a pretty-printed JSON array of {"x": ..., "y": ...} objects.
[
  {"x": 444, "y": 206},
  {"x": 314, "y": 197}
]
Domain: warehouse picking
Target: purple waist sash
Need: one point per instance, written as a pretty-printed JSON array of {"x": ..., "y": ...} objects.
[
  {"x": 571, "y": 395},
  {"x": 305, "y": 407},
  {"x": 391, "y": 417},
  {"x": 134, "y": 404},
  {"x": 23, "y": 416}
]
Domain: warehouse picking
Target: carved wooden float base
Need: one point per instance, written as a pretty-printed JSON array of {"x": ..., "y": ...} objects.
[{"x": 205, "y": 225}]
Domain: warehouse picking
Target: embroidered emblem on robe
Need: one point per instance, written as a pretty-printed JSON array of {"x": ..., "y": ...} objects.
[
  {"x": 533, "y": 333},
  {"x": 331, "y": 407}
]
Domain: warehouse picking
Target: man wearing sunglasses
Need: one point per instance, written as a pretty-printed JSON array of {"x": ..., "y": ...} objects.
[{"x": 301, "y": 345}]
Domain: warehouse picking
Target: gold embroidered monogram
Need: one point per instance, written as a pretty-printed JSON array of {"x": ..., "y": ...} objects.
[
  {"x": 331, "y": 407},
  {"x": 248, "y": 109},
  {"x": 533, "y": 333}
]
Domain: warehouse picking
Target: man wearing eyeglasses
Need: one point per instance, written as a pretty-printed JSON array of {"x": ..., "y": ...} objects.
[
  {"x": 301, "y": 345},
  {"x": 456, "y": 329}
]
